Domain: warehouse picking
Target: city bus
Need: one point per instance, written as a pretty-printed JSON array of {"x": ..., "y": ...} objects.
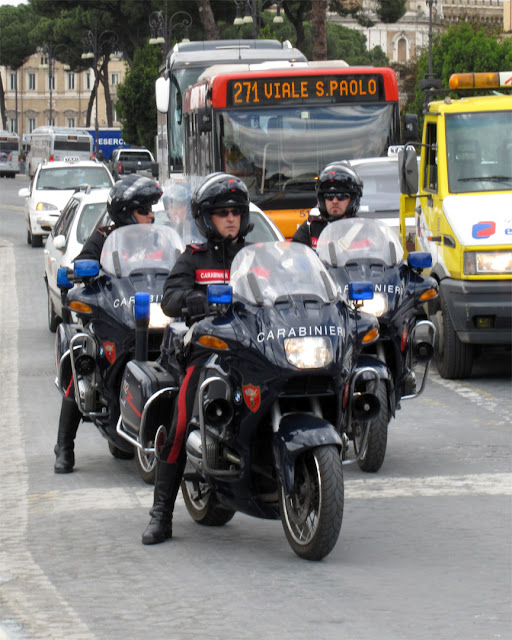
[
  {"x": 278, "y": 125},
  {"x": 57, "y": 143},
  {"x": 183, "y": 66},
  {"x": 10, "y": 154}
]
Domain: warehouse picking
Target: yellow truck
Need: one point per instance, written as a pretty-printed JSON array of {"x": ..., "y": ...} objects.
[{"x": 461, "y": 201}]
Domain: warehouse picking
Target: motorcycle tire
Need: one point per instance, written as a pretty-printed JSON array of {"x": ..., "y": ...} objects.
[
  {"x": 373, "y": 456},
  {"x": 312, "y": 514},
  {"x": 202, "y": 504},
  {"x": 53, "y": 318},
  {"x": 146, "y": 465},
  {"x": 119, "y": 453}
]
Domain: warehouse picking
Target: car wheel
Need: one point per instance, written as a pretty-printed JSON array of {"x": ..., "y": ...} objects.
[
  {"x": 29, "y": 237},
  {"x": 37, "y": 241},
  {"x": 53, "y": 318}
]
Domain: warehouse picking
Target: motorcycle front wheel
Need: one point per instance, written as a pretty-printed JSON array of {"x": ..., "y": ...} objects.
[
  {"x": 313, "y": 512},
  {"x": 372, "y": 457},
  {"x": 202, "y": 504}
]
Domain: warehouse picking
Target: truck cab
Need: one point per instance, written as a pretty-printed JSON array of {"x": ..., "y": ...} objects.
[{"x": 462, "y": 206}]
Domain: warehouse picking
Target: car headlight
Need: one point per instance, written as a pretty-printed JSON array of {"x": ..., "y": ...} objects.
[
  {"x": 487, "y": 262},
  {"x": 46, "y": 206},
  {"x": 157, "y": 318},
  {"x": 309, "y": 352},
  {"x": 377, "y": 306}
]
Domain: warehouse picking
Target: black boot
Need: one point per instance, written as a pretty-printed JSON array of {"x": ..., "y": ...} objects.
[
  {"x": 68, "y": 424},
  {"x": 167, "y": 484}
]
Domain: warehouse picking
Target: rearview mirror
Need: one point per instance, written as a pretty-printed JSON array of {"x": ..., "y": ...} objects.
[{"x": 408, "y": 170}]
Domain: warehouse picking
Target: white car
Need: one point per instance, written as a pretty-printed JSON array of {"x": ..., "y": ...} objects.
[
  {"x": 52, "y": 186},
  {"x": 81, "y": 215}
]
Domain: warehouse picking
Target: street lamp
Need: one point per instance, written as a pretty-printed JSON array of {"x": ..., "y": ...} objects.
[
  {"x": 97, "y": 45},
  {"x": 161, "y": 31},
  {"x": 50, "y": 51},
  {"x": 430, "y": 3},
  {"x": 252, "y": 13}
]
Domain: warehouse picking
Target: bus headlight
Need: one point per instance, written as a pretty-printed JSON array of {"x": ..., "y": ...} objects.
[
  {"x": 487, "y": 262},
  {"x": 308, "y": 352},
  {"x": 377, "y": 306},
  {"x": 157, "y": 318}
]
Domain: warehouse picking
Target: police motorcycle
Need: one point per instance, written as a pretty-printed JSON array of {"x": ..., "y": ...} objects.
[
  {"x": 269, "y": 432},
  {"x": 364, "y": 249},
  {"x": 97, "y": 339}
]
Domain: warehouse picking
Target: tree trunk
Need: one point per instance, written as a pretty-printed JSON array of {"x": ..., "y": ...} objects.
[
  {"x": 298, "y": 23},
  {"x": 3, "y": 115},
  {"x": 210, "y": 28},
  {"x": 319, "y": 29},
  {"x": 106, "y": 89}
]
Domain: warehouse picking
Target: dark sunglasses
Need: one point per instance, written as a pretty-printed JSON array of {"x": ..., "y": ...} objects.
[
  {"x": 339, "y": 196},
  {"x": 144, "y": 211},
  {"x": 224, "y": 213}
]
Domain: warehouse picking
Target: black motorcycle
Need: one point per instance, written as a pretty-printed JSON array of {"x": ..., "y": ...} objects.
[
  {"x": 97, "y": 339},
  {"x": 269, "y": 434},
  {"x": 363, "y": 249}
]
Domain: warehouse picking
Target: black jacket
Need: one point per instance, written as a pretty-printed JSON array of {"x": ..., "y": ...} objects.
[
  {"x": 197, "y": 267},
  {"x": 94, "y": 244},
  {"x": 309, "y": 231}
]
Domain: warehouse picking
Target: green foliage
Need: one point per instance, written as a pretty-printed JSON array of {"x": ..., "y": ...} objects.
[
  {"x": 15, "y": 24},
  {"x": 389, "y": 11},
  {"x": 464, "y": 47},
  {"x": 136, "y": 104}
]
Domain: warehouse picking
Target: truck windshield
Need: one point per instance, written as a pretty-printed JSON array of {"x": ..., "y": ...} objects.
[
  {"x": 479, "y": 147},
  {"x": 280, "y": 148}
]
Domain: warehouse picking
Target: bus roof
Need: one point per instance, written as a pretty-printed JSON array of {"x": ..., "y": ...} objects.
[
  {"x": 196, "y": 54},
  {"x": 8, "y": 134}
]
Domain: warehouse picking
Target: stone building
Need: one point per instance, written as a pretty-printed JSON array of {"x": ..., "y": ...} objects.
[{"x": 27, "y": 94}]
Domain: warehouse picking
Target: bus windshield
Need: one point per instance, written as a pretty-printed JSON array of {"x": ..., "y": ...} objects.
[{"x": 280, "y": 148}]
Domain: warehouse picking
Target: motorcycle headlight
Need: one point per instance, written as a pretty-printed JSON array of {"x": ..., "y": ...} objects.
[
  {"x": 487, "y": 262},
  {"x": 377, "y": 306},
  {"x": 157, "y": 318},
  {"x": 308, "y": 352}
]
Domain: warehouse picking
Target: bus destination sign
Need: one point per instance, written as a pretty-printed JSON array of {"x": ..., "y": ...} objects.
[{"x": 305, "y": 89}]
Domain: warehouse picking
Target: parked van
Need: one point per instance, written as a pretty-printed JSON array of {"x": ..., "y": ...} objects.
[
  {"x": 10, "y": 154},
  {"x": 57, "y": 143}
]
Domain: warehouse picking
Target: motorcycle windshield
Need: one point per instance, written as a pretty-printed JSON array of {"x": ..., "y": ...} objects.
[
  {"x": 263, "y": 272},
  {"x": 140, "y": 246},
  {"x": 351, "y": 239},
  {"x": 173, "y": 210}
]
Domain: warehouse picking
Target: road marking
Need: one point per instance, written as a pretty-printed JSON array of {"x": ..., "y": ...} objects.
[
  {"x": 31, "y": 605},
  {"x": 11, "y": 207},
  {"x": 378, "y": 487},
  {"x": 477, "y": 396}
]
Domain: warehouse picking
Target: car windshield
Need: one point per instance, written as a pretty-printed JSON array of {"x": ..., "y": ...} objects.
[
  {"x": 479, "y": 151},
  {"x": 140, "y": 246},
  {"x": 351, "y": 239},
  {"x": 73, "y": 177},
  {"x": 262, "y": 273}
]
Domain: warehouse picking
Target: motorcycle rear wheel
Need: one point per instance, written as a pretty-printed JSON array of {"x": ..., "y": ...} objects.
[
  {"x": 146, "y": 465},
  {"x": 202, "y": 504},
  {"x": 373, "y": 456},
  {"x": 312, "y": 514},
  {"x": 119, "y": 453}
]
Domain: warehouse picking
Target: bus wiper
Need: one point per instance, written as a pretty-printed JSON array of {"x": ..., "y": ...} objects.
[{"x": 488, "y": 178}]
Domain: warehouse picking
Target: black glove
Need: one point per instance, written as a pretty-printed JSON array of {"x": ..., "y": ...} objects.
[{"x": 197, "y": 305}]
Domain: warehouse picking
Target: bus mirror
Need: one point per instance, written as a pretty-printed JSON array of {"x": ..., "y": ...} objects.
[
  {"x": 408, "y": 170},
  {"x": 411, "y": 127},
  {"x": 204, "y": 119},
  {"x": 162, "y": 86}
]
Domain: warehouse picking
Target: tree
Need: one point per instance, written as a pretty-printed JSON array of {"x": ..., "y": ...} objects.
[
  {"x": 136, "y": 98},
  {"x": 318, "y": 28},
  {"x": 464, "y": 47},
  {"x": 15, "y": 47}
]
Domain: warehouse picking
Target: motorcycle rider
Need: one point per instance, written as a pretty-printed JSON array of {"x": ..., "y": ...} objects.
[
  {"x": 339, "y": 190},
  {"x": 220, "y": 208},
  {"x": 129, "y": 202}
]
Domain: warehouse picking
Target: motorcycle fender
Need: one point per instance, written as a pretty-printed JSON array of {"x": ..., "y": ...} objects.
[
  {"x": 374, "y": 363},
  {"x": 297, "y": 433}
]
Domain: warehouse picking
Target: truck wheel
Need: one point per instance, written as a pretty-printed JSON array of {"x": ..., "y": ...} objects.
[{"x": 454, "y": 359}]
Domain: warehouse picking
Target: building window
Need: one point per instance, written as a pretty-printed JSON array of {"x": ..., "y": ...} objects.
[
  {"x": 12, "y": 81},
  {"x": 71, "y": 123},
  {"x": 31, "y": 124},
  {"x": 32, "y": 81},
  {"x": 51, "y": 123},
  {"x": 114, "y": 114},
  {"x": 88, "y": 83},
  {"x": 12, "y": 125},
  {"x": 115, "y": 79},
  {"x": 51, "y": 82},
  {"x": 71, "y": 81}
]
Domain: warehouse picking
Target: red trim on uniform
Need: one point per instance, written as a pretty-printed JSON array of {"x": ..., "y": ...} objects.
[
  {"x": 212, "y": 276},
  {"x": 69, "y": 387},
  {"x": 181, "y": 426}
]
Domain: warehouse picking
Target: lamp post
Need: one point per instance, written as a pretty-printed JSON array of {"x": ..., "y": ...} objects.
[
  {"x": 252, "y": 13},
  {"x": 161, "y": 30},
  {"x": 430, "y": 3},
  {"x": 96, "y": 46},
  {"x": 50, "y": 51}
]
